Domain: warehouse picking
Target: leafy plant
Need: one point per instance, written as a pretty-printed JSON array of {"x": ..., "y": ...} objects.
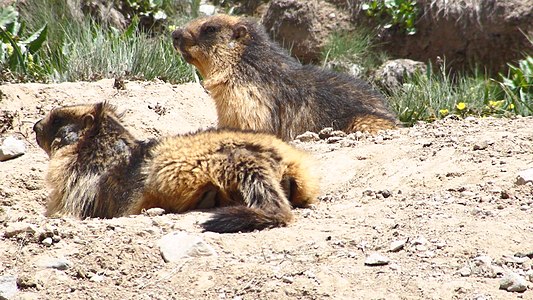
[
  {"x": 402, "y": 13},
  {"x": 18, "y": 50},
  {"x": 518, "y": 87},
  {"x": 430, "y": 96}
]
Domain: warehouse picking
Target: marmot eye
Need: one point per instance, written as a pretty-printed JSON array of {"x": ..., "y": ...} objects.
[{"x": 210, "y": 29}]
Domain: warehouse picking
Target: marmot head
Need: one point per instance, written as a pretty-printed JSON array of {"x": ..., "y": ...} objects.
[
  {"x": 66, "y": 125},
  {"x": 213, "y": 43}
]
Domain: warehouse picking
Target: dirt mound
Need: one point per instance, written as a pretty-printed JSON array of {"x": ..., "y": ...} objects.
[{"x": 444, "y": 194}]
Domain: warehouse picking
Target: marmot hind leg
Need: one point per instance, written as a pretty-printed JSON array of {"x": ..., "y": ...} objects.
[
  {"x": 265, "y": 206},
  {"x": 370, "y": 123}
]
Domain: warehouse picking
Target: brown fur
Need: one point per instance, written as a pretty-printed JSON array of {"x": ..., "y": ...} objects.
[
  {"x": 98, "y": 169},
  {"x": 257, "y": 86}
]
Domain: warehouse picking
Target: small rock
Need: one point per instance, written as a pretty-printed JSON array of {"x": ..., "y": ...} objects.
[
  {"x": 465, "y": 271},
  {"x": 525, "y": 177},
  {"x": 481, "y": 145},
  {"x": 177, "y": 245},
  {"x": 513, "y": 282},
  {"x": 397, "y": 245},
  {"x": 385, "y": 193},
  {"x": 334, "y": 139},
  {"x": 308, "y": 136},
  {"x": 155, "y": 211},
  {"x": 440, "y": 245},
  {"x": 17, "y": 228},
  {"x": 325, "y": 133},
  {"x": 419, "y": 241},
  {"x": 376, "y": 259},
  {"x": 26, "y": 281},
  {"x": 287, "y": 279},
  {"x": 11, "y": 148},
  {"x": 58, "y": 263},
  {"x": 529, "y": 275},
  {"x": 8, "y": 287},
  {"x": 483, "y": 260},
  {"x": 47, "y": 242},
  {"x": 97, "y": 278}
]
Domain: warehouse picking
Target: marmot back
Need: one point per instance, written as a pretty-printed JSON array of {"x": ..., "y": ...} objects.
[
  {"x": 98, "y": 169},
  {"x": 256, "y": 85}
]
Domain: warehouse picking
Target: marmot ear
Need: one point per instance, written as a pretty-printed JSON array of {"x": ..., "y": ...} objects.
[
  {"x": 239, "y": 31},
  {"x": 88, "y": 120}
]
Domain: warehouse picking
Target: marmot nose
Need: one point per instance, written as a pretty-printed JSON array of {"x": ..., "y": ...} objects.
[
  {"x": 177, "y": 35},
  {"x": 38, "y": 127}
]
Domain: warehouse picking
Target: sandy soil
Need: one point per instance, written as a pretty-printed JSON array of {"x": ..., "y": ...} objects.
[{"x": 448, "y": 189}]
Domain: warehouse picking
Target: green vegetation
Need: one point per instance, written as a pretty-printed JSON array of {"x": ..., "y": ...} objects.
[
  {"x": 69, "y": 47},
  {"x": 358, "y": 47},
  {"x": 518, "y": 87},
  {"x": 401, "y": 13}
]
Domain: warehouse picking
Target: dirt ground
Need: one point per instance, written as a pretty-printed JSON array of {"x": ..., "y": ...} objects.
[{"x": 448, "y": 190}]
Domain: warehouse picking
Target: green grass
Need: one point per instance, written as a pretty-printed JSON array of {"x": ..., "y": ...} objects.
[
  {"x": 78, "y": 48},
  {"x": 431, "y": 96},
  {"x": 358, "y": 47}
]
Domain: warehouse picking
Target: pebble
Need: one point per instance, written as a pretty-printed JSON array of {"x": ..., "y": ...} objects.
[
  {"x": 308, "y": 137},
  {"x": 525, "y": 177},
  {"x": 155, "y": 211},
  {"x": 376, "y": 259},
  {"x": 465, "y": 271},
  {"x": 58, "y": 263},
  {"x": 513, "y": 282},
  {"x": 17, "y": 228},
  {"x": 47, "y": 242},
  {"x": 8, "y": 287},
  {"x": 482, "y": 145},
  {"x": 397, "y": 245},
  {"x": 177, "y": 245},
  {"x": 325, "y": 133},
  {"x": 11, "y": 148},
  {"x": 419, "y": 241}
]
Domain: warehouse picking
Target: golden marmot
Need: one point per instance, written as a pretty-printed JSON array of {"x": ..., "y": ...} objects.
[
  {"x": 98, "y": 169},
  {"x": 256, "y": 85}
]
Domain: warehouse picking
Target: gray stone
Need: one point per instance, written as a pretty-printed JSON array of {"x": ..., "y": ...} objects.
[
  {"x": 419, "y": 241},
  {"x": 325, "y": 133},
  {"x": 8, "y": 287},
  {"x": 391, "y": 74},
  {"x": 397, "y": 245},
  {"x": 308, "y": 136},
  {"x": 11, "y": 148},
  {"x": 513, "y": 282},
  {"x": 376, "y": 259},
  {"x": 482, "y": 145},
  {"x": 18, "y": 228},
  {"x": 177, "y": 245},
  {"x": 465, "y": 271},
  {"x": 58, "y": 263},
  {"x": 155, "y": 211},
  {"x": 525, "y": 177}
]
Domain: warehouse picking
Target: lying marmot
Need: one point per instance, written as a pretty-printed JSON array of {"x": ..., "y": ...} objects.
[
  {"x": 98, "y": 169},
  {"x": 256, "y": 85}
]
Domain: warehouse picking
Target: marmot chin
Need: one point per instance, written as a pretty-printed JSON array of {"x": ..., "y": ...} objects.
[
  {"x": 256, "y": 85},
  {"x": 98, "y": 169}
]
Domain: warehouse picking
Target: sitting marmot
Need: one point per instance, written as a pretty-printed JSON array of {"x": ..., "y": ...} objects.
[
  {"x": 257, "y": 86},
  {"x": 98, "y": 169}
]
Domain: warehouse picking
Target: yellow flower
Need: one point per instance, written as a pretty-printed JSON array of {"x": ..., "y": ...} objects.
[
  {"x": 10, "y": 49},
  {"x": 461, "y": 106},
  {"x": 496, "y": 104},
  {"x": 511, "y": 106},
  {"x": 443, "y": 112}
]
